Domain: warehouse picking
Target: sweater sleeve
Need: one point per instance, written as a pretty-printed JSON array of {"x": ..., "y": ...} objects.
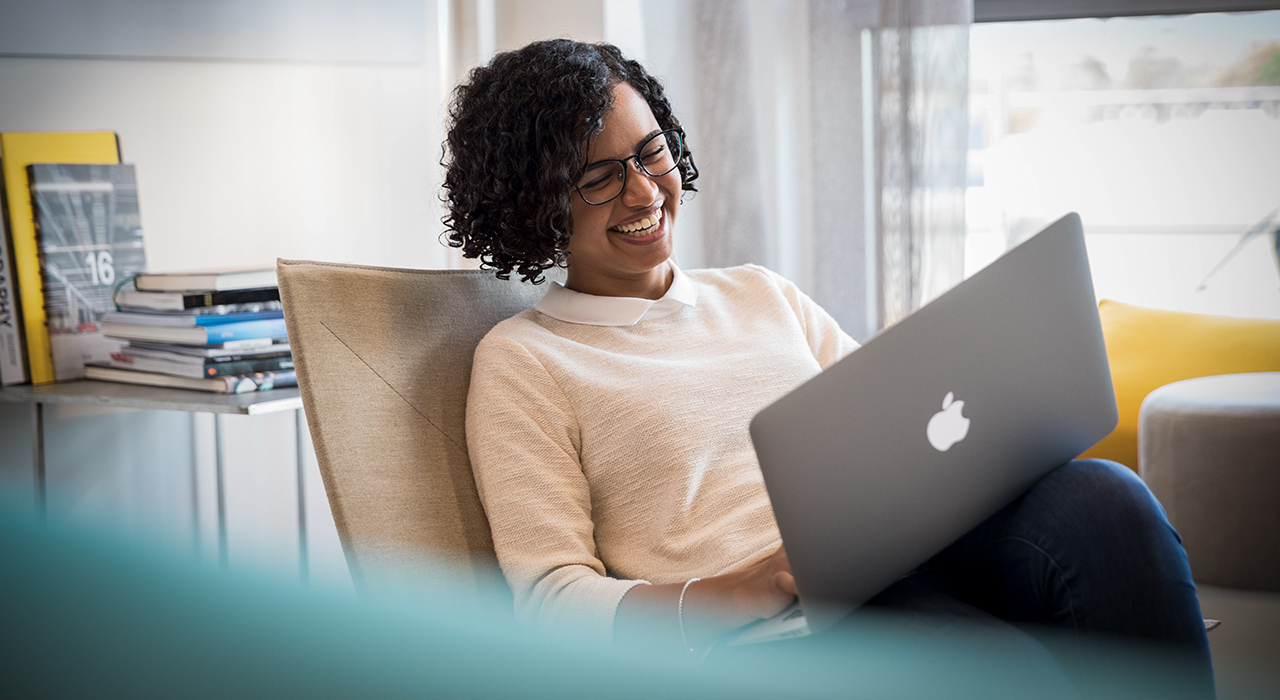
[
  {"x": 828, "y": 342},
  {"x": 523, "y": 439}
]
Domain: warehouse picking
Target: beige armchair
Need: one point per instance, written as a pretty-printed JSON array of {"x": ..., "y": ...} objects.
[{"x": 384, "y": 361}]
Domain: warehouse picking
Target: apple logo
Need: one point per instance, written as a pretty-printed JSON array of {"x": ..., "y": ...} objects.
[{"x": 947, "y": 427}]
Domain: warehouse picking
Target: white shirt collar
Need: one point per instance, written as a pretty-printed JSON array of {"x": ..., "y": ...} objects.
[{"x": 575, "y": 307}]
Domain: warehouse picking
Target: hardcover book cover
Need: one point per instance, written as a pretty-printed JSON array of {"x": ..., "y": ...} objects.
[
  {"x": 90, "y": 235},
  {"x": 17, "y": 151}
]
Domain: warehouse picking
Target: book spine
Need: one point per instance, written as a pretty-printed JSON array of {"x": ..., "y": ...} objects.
[
  {"x": 173, "y": 319},
  {"x": 245, "y": 330},
  {"x": 216, "y": 319},
  {"x": 174, "y": 303},
  {"x": 240, "y": 296},
  {"x": 131, "y": 299},
  {"x": 26, "y": 268},
  {"x": 223, "y": 369},
  {"x": 13, "y": 361},
  {"x": 261, "y": 381},
  {"x": 31, "y": 294},
  {"x": 215, "y": 359},
  {"x": 247, "y": 344},
  {"x": 225, "y": 309}
]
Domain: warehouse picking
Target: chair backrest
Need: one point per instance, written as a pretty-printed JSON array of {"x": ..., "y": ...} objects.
[{"x": 383, "y": 357}]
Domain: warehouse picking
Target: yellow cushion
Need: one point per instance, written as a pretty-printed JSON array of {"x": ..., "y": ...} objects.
[{"x": 1149, "y": 348}]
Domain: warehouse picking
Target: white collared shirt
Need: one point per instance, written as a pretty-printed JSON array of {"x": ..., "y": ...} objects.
[{"x": 567, "y": 305}]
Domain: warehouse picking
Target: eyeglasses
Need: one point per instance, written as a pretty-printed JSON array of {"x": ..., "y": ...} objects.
[{"x": 657, "y": 156}]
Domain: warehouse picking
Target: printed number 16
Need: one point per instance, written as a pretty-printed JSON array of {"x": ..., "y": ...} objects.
[{"x": 101, "y": 268}]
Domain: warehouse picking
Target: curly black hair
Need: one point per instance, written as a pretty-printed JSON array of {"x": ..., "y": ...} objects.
[{"x": 517, "y": 144}]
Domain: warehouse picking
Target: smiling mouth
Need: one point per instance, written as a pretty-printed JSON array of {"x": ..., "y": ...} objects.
[{"x": 643, "y": 227}]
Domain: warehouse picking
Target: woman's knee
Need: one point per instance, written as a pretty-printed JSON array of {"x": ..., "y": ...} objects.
[{"x": 1107, "y": 493}]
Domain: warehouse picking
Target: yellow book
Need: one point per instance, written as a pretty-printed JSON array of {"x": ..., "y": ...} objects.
[{"x": 17, "y": 151}]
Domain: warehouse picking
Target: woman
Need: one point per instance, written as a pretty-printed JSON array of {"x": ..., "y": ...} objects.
[{"x": 607, "y": 426}]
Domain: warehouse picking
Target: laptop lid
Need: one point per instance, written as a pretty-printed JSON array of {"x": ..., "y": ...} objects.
[{"x": 936, "y": 423}]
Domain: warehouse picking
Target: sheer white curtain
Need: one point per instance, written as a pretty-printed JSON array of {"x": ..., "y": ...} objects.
[{"x": 831, "y": 136}]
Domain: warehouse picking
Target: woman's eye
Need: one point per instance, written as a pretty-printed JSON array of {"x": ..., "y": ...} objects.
[
  {"x": 653, "y": 154},
  {"x": 598, "y": 177},
  {"x": 595, "y": 182}
]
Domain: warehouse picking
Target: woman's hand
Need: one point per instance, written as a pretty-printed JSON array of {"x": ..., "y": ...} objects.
[
  {"x": 713, "y": 606},
  {"x": 755, "y": 593}
]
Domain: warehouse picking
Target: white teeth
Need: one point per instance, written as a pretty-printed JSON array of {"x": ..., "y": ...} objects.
[{"x": 642, "y": 227}]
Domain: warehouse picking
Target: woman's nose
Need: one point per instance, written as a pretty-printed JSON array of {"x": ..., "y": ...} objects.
[{"x": 640, "y": 189}]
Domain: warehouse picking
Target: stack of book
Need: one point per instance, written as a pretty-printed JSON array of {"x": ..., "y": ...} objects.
[{"x": 217, "y": 331}]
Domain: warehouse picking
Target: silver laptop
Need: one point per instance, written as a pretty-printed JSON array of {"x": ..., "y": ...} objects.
[{"x": 932, "y": 426}]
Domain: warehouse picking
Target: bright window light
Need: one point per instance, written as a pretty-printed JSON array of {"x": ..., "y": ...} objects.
[{"x": 1162, "y": 132}]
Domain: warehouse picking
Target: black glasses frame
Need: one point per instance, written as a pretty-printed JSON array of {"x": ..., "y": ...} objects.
[{"x": 679, "y": 134}]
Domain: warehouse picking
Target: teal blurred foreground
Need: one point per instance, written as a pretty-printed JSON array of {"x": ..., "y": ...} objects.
[{"x": 88, "y": 615}]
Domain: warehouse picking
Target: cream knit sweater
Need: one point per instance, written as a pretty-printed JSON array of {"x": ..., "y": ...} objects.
[{"x": 608, "y": 456}]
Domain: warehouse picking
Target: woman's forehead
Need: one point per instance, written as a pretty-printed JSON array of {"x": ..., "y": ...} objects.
[{"x": 626, "y": 125}]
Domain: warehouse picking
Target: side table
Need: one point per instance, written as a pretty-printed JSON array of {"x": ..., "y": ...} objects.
[{"x": 117, "y": 395}]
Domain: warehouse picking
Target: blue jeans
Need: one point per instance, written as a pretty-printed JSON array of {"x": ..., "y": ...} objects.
[
  {"x": 1085, "y": 554},
  {"x": 1087, "y": 551}
]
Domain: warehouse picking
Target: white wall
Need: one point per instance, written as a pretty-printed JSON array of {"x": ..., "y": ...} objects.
[
  {"x": 241, "y": 163},
  {"x": 521, "y": 21}
]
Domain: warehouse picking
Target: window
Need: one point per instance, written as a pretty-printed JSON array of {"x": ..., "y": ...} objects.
[{"x": 1162, "y": 132}]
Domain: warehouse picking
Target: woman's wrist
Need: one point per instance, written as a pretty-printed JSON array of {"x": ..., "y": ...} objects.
[
  {"x": 715, "y": 606},
  {"x": 694, "y": 613},
  {"x": 684, "y": 633}
]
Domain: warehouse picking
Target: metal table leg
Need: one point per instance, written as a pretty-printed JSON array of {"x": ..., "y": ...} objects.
[
  {"x": 222, "y": 501},
  {"x": 37, "y": 454},
  {"x": 303, "y": 566}
]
